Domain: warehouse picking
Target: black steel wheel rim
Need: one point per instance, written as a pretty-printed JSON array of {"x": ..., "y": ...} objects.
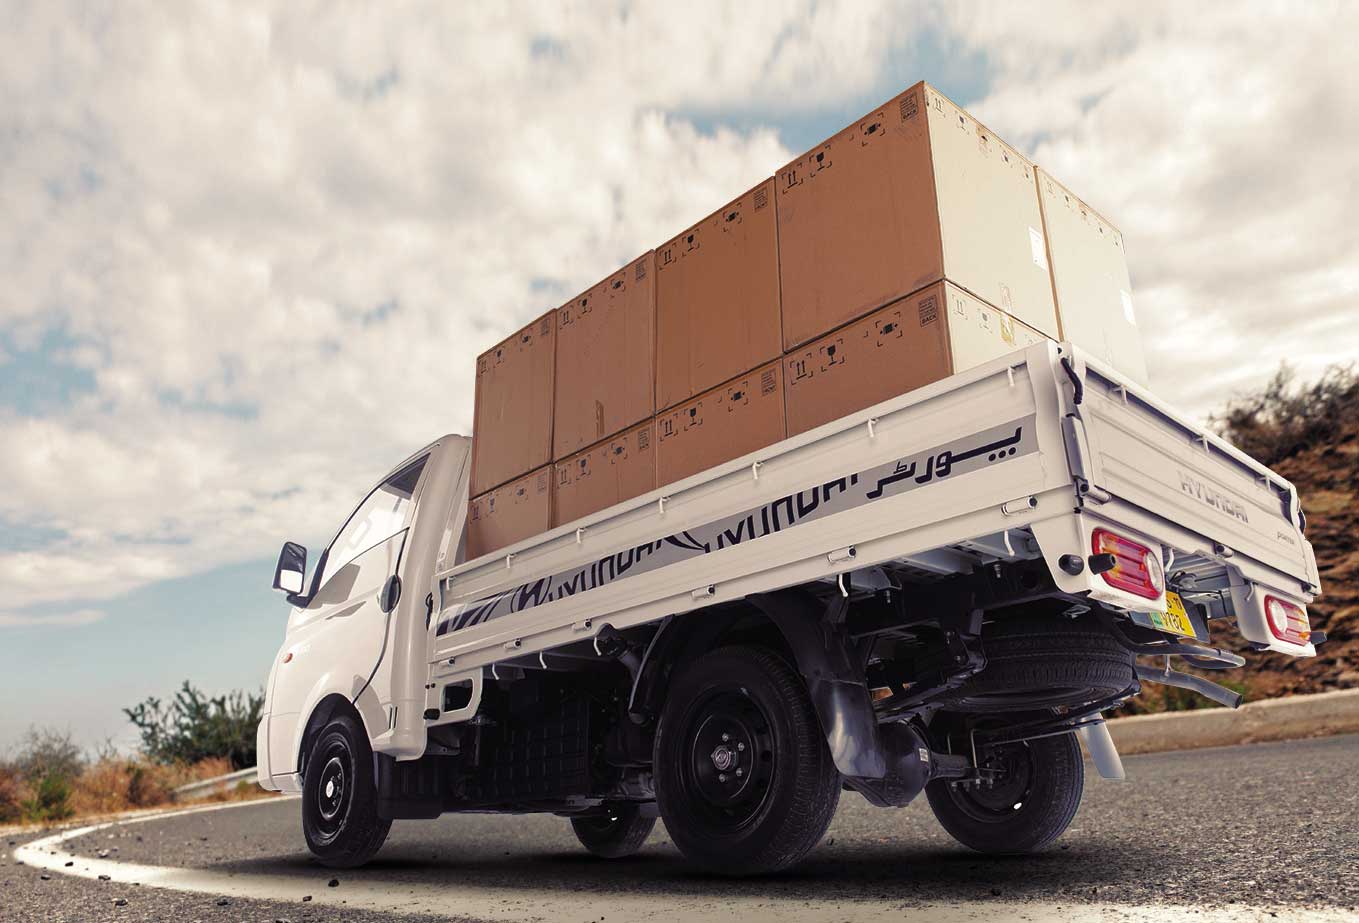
[
  {"x": 1004, "y": 788},
  {"x": 334, "y": 788},
  {"x": 729, "y": 760}
]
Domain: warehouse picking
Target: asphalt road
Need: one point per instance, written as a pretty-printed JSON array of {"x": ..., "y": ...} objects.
[{"x": 1243, "y": 832}]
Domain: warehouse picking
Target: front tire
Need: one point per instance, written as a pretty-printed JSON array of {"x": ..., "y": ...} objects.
[
  {"x": 339, "y": 797},
  {"x": 615, "y": 834},
  {"x": 1036, "y": 790},
  {"x": 744, "y": 780}
]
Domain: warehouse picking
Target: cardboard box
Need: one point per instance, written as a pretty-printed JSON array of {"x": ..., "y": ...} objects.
[
  {"x": 915, "y": 192},
  {"x": 1090, "y": 279},
  {"x": 896, "y": 349},
  {"x": 605, "y": 342},
  {"x": 731, "y": 420},
  {"x": 610, "y": 472},
  {"x": 717, "y": 298},
  {"x": 512, "y": 415},
  {"x": 510, "y": 513}
]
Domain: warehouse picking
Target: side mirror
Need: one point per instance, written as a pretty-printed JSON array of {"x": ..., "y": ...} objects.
[{"x": 291, "y": 569}]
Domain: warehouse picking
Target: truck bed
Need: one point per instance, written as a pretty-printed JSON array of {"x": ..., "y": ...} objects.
[{"x": 997, "y": 463}]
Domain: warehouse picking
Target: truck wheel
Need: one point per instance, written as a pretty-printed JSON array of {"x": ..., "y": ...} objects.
[
  {"x": 339, "y": 797},
  {"x": 619, "y": 832},
  {"x": 744, "y": 780},
  {"x": 1031, "y": 800}
]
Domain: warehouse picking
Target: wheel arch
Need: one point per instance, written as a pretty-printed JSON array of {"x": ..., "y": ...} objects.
[
  {"x": 327, "y": 708},
  {"x": 790, "y": 622}
]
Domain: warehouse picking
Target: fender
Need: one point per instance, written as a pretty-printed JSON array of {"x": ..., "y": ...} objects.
[
  {"x": 323, "y": 688},
  {"x": 837, "y": 686}
]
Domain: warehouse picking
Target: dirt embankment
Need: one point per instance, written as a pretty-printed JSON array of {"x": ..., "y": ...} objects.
[{"x": 1327, "y": 478}]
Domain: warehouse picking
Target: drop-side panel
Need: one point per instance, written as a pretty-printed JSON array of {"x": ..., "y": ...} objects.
[
  {"x": 1090, "y": 280},
  {"x": 1149, "y": 458},
  {"x": 932, "y": 470}
]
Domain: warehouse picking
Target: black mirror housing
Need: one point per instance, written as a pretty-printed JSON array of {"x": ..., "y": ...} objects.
[{"x": 291, "y": 570}]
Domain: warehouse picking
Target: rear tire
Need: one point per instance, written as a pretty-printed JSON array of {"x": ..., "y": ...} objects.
[
  {"x": 339, "y": 797},
  {"x": 744, "y": 780},
  {"x": 613, "y": 835},
  {"x": 1026, "y": 809}
]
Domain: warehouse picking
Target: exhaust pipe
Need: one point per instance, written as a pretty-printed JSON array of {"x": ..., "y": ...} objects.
[{"x": 1168, "y": 677}]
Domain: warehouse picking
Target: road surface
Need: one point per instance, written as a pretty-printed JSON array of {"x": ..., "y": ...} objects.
[{"x": 1257, "y": 832}]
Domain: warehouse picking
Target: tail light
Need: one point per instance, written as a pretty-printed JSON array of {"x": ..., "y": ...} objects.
[
  {"x": 1137, "y": 568},
  {"x": 1287, "y": 621}
]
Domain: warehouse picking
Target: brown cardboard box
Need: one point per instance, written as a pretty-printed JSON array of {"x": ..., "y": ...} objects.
[
  {"x": 512, "y": 416},
  {"x": 717, "y": 298},
  {"x": 915, "y": 192},
  {"x": 906, "y": 345},
  {"x": 510, "y": 513},
  {"x": 727, "y": 422},
  {"x": 605, "y": 368},
  {"x": 610, "y": 472},
  {"x": 1090, "y": 279}
]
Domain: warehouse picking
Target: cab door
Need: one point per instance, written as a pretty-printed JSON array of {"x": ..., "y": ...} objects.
[{"x": 335, "y": 642}]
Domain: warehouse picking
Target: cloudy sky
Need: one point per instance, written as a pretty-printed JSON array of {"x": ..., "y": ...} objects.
[{"x": 249, "y": 251}]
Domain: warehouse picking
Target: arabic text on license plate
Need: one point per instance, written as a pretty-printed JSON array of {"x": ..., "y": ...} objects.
[{"x": 1175, "y": 619}]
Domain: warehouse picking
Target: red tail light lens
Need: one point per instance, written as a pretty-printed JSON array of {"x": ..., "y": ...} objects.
[
  {"x": 1287, "y": 621},
  {"x": 1137, "y": 569}
]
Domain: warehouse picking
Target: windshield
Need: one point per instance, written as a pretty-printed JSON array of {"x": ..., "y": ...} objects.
[{"x": 380, "y": 516}]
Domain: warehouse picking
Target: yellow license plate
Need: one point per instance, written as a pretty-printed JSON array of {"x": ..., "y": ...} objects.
[{"x": 1174, "y": 620}]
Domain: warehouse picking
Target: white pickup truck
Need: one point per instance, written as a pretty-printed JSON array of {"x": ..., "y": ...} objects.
[{"x": 939, "y": 594}]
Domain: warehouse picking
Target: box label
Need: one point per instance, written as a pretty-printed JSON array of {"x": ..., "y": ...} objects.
[{"x": 1040, "y": 252}]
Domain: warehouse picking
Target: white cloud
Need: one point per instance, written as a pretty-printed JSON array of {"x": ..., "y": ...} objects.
[
  {"x": 72, "y": 619},
  {"x": 1221, "y": 143},
  {"x": 276, "y": 236}
]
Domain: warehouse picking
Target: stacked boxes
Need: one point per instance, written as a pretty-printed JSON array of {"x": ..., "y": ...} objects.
[
  {"x": 514, "y": 393},
  {"x": 717, "y": 298},
  {"x": 617, "y": 469},
  {"x": 914, "y": 193},
  {"x": 911, "y": 246},
  {"x": 605, "y": 349},
  {"x": 906, "y": 345},
  {"x": 1090, "y": 280},
  {"x": 510, "y": 513},
  {"x": 731, "y": 420}
]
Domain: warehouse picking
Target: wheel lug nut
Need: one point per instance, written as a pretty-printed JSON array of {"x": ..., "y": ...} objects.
[
  {"x": 741, "y": 747},
  {"x": 740, "y": 772},
  {"x": 726, "y": 737},
  {"x": 721, "y": 777}
]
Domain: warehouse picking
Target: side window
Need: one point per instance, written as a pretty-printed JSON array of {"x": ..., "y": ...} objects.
[{"x": 380, "y": 516}]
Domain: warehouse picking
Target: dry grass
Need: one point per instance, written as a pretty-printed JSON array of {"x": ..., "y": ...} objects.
[{"x": 109, "y": 785}]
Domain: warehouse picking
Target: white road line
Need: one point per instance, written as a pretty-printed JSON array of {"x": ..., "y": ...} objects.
[{"x": 536, "y": 904}]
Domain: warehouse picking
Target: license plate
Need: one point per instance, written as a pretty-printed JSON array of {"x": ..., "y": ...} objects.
[{"x": 1175, "y": 619}]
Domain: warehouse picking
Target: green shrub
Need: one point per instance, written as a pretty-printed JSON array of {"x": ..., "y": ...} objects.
[
  {"x": 195, "y": 727},
  {"x": 51, "y": 799}
]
